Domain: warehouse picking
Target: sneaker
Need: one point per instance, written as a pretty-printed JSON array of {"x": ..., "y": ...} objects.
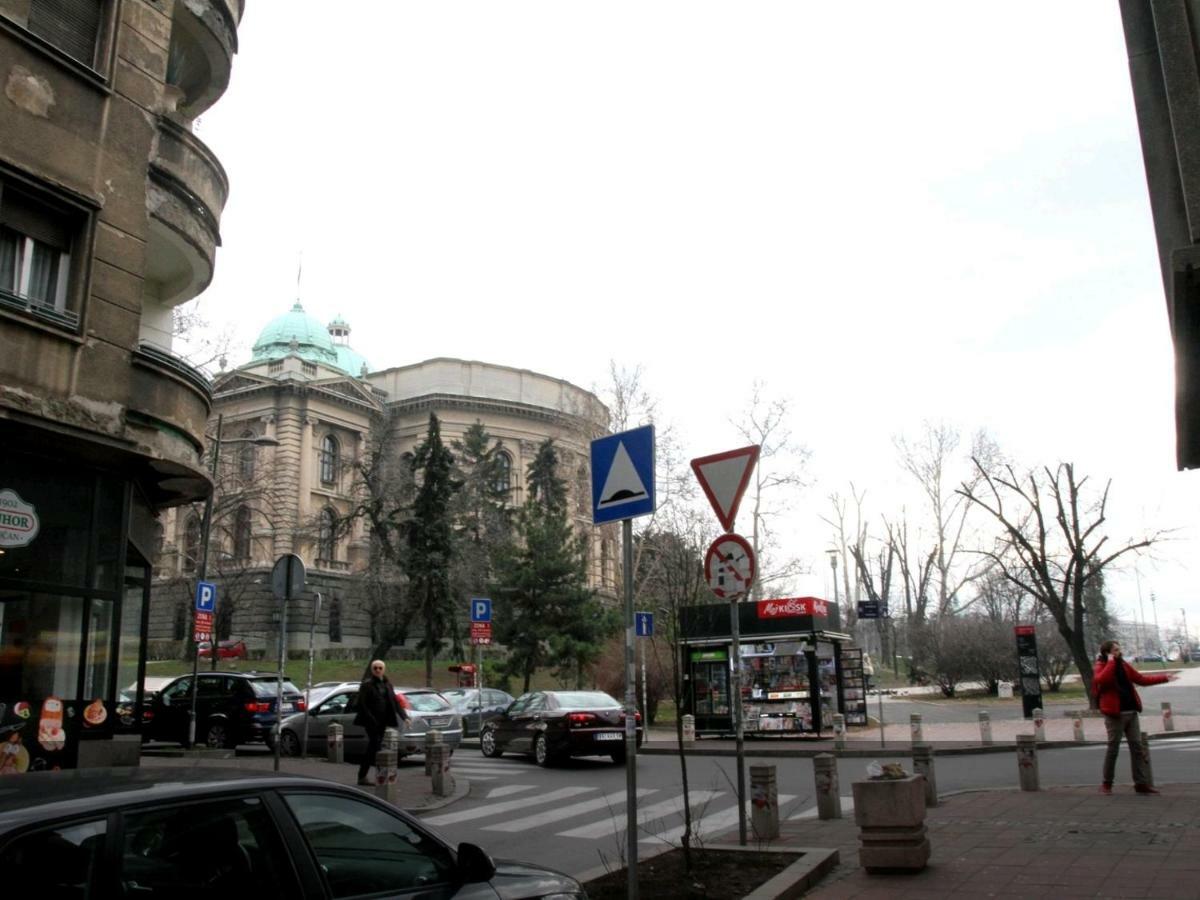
[
  {"x": 1106, "y": 788},
  {"x": 1145, "y": 789}
]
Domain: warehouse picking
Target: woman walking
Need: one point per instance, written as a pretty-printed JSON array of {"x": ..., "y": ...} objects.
[
  {"x": 378, "y": 709},
  {"x": 1113, "y": 683}
]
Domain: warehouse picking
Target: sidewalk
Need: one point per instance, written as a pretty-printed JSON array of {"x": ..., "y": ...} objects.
[{"x": 1062, "y": 842}]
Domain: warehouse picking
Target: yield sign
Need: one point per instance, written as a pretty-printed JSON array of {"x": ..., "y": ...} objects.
[{"x": 724, "y": 478}]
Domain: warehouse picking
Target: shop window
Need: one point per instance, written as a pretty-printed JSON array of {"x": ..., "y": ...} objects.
[
  {"x": 241, "y": 534},
  {"x": 37, "y": 238},
  {"x": 191, "y": 544},
  {"x": 98, "y": 661},
  {"x": 327, "y": 536},
  {"x": 132, "y": 605},
  {"x": 335, "y": 621},
  {"x": 503, "y": 480},
  {"x": 246, "y": 457},
  {"x": 329, "y": 459},
  {"x": 39, "y": 646}
]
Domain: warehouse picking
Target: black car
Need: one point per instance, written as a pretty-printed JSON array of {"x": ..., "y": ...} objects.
[
  {"x": 477, "y": 705},
  {"x": 554, "y": 725},
  {"x": 215, "y": 833},
  {"x": 231, "y": 708}
]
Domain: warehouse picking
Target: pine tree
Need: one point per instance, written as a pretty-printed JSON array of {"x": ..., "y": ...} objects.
[{"x": 482, "y": 516}]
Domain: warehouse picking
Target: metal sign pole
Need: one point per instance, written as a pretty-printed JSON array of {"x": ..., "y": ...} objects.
[
  {"x": 880, "y": 715},
  {"x": 631, "y": 890},
  {"x": 736, "y": 688},
  {"x": 201, "y": 575},
  {"x": 287, "y": 598},
  {"x": 312, "y": 637}
]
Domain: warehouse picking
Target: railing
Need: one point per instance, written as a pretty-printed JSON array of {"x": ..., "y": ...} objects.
[
  {"x": 333, "y": 565},
  {"x": 61, "y": 317},
  {"x": 176, "y": 365}
]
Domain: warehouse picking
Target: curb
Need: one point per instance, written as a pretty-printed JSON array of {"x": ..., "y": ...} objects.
[{"x": 462, "y": 788}]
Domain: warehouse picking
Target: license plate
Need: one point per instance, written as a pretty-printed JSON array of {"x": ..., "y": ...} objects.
[
  {"x": 610, "y": 736},
  {"x": 288, "y": 707}
]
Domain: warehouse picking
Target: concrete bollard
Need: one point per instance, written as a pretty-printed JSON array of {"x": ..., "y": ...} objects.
[
  {"x": 985, "y": 728},
  {"x": 1146, "y": 759},
  {"x": 386, "y": 787},
  {"x": 437, "y": 762},
  {"x": 1039, "y": 726},
  {"x": 922, "y": 756},
  {"x": 839, "y": 731},
  {"x": 918, "y": 736},
  {"x": 1168, "y": 719},
  {"x": 1027, "y": 764},
  {"x": 335, "y": 747},
  {"x": 433, "y": 738},
  {"x": 764, "y": 803},
  {"x": 391, "y": 740},
  {"x": 1077, "y": 724},
  {"x": 829, "y": 797},
  {"x": 890, "y": 814},
  {"x": 689, "y": 729}
]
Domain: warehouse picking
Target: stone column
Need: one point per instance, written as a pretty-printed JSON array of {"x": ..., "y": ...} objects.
[
  {"x": 922, "y": 755},
  {"x": 839, "y": 731},
  {"x": 1077, "y": 725},
  {"x": 890, "y": 813},
  {"x": 1168, "y": 719},
  {"x": 386, "y": 787},
  {"x": 335, "y": 746},
  {"x": 829, "y": 797},
  {"x": 433, "y": 740},
  {"x": 985, "y": 728},
  {"x": 1027, "y": 764},
  {"x": 764, "y": 803},
  {"x": 918, "y": 737},
  {"x": 1039, "y": 726}
]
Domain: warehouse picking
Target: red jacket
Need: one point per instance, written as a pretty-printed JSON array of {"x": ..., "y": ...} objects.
[{"x": 1104, "y": 685}]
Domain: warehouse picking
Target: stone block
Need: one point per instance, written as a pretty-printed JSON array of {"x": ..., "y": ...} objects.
[{"x": 889, "y": 803}]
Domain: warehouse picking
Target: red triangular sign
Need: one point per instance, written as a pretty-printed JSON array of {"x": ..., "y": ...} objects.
[{"x": 724, "y": 478}]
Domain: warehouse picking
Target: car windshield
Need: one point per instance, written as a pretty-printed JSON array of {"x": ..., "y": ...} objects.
[
  {"x": 585, "y": 700},
  {"x": 427, "y": 701},
  {"x": 461, "y": 697},
  {"x": 265, "y": 687}
]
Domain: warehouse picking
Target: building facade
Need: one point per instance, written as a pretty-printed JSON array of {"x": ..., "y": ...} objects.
[
  {"x": 109, "y": 215},
  {"x": 320, "y": 403}
]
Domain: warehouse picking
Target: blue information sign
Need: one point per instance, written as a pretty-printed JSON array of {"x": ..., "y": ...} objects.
[
  {"x": 206, "y": 596},
  {"x": 623, "y": 475},
  {"x": 481, "y": 609},
  {"x": 644, "y": 624}
]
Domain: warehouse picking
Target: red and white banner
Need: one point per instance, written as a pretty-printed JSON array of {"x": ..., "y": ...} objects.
[{"x": 784, "y": 607}]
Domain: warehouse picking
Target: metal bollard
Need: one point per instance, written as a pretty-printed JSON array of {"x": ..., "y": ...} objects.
[
  {"x": 1027, "y": 764},
  {"x": 437, "y": 760},
  {"x": 914, "y": 720},
  {"x": 922, "y": 755},
  {"x": 335, "y": 748},
  {"x": 1039, "y": 726},
  {"x": 433, "y": 738},
  {"x": 689, "y": 729},
  {"x": 985, "y": 728},
  {"x": 764, "y": 803},
  {"x": 1077, "y": 723},
  {"x": 839, "y": 731},
  {"x": 1168, "y": 720},
  {"x": 829, "y": 797},
  {"x": 386, "y": 787},
  {"x": 1146, "y": 759}
]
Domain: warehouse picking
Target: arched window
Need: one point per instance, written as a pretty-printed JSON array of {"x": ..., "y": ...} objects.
[
  {"x": 246, "y": 457},
  {"x": 326, "y": 536},
  {"x": 241, "y": 533},
  {"x": 179, "y": 626},
  {"x": 503, "y": 480},
  {"x": 191, "y": 544},
  {"x": 335, "y": 621},
  {"x": 329, "y": 459}
]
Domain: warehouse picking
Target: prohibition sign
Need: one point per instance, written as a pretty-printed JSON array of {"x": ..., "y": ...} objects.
[{"x": 729, "y": 566}]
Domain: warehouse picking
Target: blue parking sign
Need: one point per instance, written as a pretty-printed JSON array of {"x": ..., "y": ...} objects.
[
  {"x": 645, "y": 624},
  {"x": 481, "y": 609},
  {"x": 206, "y": 596}
]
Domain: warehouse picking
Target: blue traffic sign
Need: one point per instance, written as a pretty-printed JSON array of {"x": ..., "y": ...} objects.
[
  {"x": 644, "y": 624},
  {"x": 481, "y": 609},
  {"x": 623, "y": 475},
  {"x": 206, "y": 596}
]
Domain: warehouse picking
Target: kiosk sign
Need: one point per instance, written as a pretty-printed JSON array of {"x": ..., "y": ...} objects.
[{"x": 19, "y": 522}]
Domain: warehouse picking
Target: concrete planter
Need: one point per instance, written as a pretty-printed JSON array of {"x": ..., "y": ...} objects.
[{"x": 891, "y": 820}]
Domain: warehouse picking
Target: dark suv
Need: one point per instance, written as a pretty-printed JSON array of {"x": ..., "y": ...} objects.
[{"x": 231, "y": 708}]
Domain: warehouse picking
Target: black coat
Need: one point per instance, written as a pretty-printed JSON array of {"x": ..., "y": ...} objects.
[{"x": 377, "y": 705}]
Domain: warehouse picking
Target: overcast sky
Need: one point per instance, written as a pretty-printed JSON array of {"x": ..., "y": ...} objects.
[{"x": 885, "y": 213}]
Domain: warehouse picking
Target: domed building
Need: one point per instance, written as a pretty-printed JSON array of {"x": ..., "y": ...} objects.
[{"x": 294, "y": 420}]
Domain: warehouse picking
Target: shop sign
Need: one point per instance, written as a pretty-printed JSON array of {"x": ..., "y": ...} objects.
[
  {"x": 786, "y": 607},
  {"x": 709, "y": 655},
  {"x": 18, "y": 520}
]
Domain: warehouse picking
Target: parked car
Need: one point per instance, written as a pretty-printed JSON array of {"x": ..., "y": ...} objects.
[
  {"x": 1148, "y": 657},
  {"x": 320, "y": 691},
  {"x": 427, "y": 709},
  {"x": 477, "y": 706},
  {"x": 127, "y": 698},
  {"x": 225, "y": 650},
  {"x": 554, "y": 725},
  {"x": 231, "y": 708},
  {"x": 202, "y": 833}
]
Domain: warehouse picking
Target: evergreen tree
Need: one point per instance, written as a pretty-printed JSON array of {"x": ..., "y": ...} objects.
[
  {"x": 1098, "y": 624},
  {"x": 482, "y": 517}
]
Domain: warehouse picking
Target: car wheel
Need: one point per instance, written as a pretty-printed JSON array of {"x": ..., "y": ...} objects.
[
  {"x": 487, "y": 743},
  {"x": 289, "y": 744},
  {"x": 217, "y": 737},
  {"x": 541, "y": 752},
  {"x": 618, "y": 756}
]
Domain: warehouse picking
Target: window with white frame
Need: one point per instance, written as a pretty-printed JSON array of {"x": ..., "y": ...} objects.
[{"x": 36, "y": 238}]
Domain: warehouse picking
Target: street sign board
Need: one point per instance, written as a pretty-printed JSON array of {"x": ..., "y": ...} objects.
[
  {"x": 206, "y": 596},
  {"x": 481, "y": 609},
  {"x": 870, "y": 609},
  {"x": 1028, "y": 669},
  {"x": 287, "y": 578},
  {"x": 729, "y": 567},
  {"x": 644, "y": 622},
  {"x": 481, "y": 632},
  {"x": 724, "y": 478},
  {"x": 623, "y": 475},
  {"x": 202, "y": 628}
]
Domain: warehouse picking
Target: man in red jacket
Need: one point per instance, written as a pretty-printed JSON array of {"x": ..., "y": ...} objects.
[{"x": 1113, "y": 683}]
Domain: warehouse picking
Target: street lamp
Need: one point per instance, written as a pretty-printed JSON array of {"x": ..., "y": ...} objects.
[
  {"x": 202, "y": 571},
  {"x": 833, "y": 566}
]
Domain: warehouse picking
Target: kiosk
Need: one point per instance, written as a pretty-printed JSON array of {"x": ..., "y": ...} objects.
[{"x": 791, "y": 666}]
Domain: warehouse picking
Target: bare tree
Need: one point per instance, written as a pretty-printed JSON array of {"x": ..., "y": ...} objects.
[{"x": 850, "y": 542}]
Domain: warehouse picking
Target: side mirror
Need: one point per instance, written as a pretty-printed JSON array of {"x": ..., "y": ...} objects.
[
  {"x": 312, "y": 712},
  {"x": 474, "y": 864}
]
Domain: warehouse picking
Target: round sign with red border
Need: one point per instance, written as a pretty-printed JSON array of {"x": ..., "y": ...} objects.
[{"x": 729, "y": 567}]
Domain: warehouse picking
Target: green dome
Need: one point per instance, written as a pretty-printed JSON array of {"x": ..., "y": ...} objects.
[
  {"x": 311, "y": 338},
  {"x": 350, "y": 360}
]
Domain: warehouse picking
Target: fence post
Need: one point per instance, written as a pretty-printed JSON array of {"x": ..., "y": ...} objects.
[
  {"x": 1027, "y": 764},
  {"x": 839, "y": 731},
  {"x": 1039, "y": 726},
  {"x": 335, "y": 748},
  {"x": 1168, "y": 720},
  {"x": 985, "y": 728},
  {"x": 918, "y": 737},
  {"x": 922, "y": 756},
  {"x": 433, "y": 738},
  {"x": 1077, "y": 723},
  {"x": 829, "y": 797},
  {"x": 764, "y": 803}
]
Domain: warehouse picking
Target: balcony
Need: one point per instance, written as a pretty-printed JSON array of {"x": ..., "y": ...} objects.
[
  {"x": 203, "y": 41},
  {"x": 185, "y": 196}
]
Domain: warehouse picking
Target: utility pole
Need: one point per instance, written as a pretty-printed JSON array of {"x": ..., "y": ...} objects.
[{"x": 1157, "y": 633}]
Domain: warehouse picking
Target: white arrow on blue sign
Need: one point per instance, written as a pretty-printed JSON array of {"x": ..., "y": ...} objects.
[
  {"x": 644, "y": 623},
  {"x": 481, "y": 609},
  {"x": 623, "y": 475},
  {"x": 206, "y": 596}
]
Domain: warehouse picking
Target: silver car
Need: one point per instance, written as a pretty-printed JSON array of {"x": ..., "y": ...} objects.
[
  {"x": 427, "y": 710},
  {"x": 477, "y": 706}
]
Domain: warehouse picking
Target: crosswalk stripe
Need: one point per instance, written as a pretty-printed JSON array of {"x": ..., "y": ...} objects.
[
  {"x": 482, "y": 767},
  {"x": 811, "y": 812},
  {"x": 706, "y": 826},
  {"x": 508, "y": 789},
  {"x": 609, "y": 801},
  {"x": 494, "y": 809},
  {"x": 645, "y": 814}
]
